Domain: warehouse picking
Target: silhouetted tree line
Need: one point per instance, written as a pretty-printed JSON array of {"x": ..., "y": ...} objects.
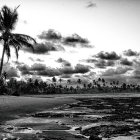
[{"x": 17, "y": 88}]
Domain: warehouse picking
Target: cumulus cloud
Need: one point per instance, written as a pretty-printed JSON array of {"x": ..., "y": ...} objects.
[
  {"x": 91, "y": 60},
  {"x": 39, "y": 60},
  {"x": 17, "y": 62},
  {"x": 24, "y": 69},
  {"x": 136, "y": 62},
  {"x": 64, "y": 62},
  {"x": 50, "y": 35},
  {"x": 33, "y": 59},
  {"x": 75, "y": 39},
  {"x": 66, "y": 75},
  {"x": 11, "y": 71},
  {"x": 38, "y": 67},
  {"x": 117, "y": 71},
  {"x": 56, "y": 38},
  {"x": 108, "y": 56},
  {"x": 79, "y": 68},
  {"x": 42, "y": 70},
  {"x": 104, "y": 63},
  {"x": 130, "y": 53},
  {"x": 67, "y": 70},
  {"x": 136, "y": 74},
  {"x": 43, "y": 48},
  {"x": 125, "y": 61},
  {"x": 49, "y": 72}
]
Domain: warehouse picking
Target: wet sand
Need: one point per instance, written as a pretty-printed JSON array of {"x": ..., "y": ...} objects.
[
  {"x": 42, "y": 116},
  {"x": 12, "y": 107}
]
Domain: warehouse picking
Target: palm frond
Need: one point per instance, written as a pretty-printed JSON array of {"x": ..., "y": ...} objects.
[
  {"x": 16, "y": 50},
  {"x": 1, "y": 38},
  {"x": 16, "y": 45},
  {"x": 23, "y": 40},
  {"x": 14, "y": 18},
  {"x": 27, "y": 37},
  {"x": 7, "y": 49},
  {"x": 8, "y": 18}
]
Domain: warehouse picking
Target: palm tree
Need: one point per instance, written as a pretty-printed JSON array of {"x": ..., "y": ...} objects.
[
  {"x": 60, "y": 80},
  {"x": 8, "y": 20},
  {"x": 79, "y": 81},
  {"x": 4, "y": 75}
]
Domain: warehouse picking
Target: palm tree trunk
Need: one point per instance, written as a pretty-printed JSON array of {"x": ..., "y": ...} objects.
[{"x": 2, "y": 58}]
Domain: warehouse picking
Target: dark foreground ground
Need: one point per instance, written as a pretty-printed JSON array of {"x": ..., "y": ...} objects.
[{"x": 70, "y": 117}]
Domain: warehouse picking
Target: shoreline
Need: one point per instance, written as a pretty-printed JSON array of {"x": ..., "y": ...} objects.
[
  {"x": 86, "y": 95},
  {"x": 12, "y": 107}
]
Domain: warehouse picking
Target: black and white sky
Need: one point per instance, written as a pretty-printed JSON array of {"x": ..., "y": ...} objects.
[{"x": 78, "y": 38}]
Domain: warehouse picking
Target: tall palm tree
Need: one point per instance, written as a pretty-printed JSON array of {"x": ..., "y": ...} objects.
[{"x": 8, "y": 20}]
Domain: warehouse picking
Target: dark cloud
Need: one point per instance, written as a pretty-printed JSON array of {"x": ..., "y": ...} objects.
[
  {"x": 39, "y": 60},
  {"x": 66, "y": 76},
  {"x": 50, "y": 35},
  {"x": 79, "y": 68},
  {"x": 56, "y": 38},
  {"x": 64, "y": 62},
  {"x": 130, "y": 53},
  {"x": 117, "y": 71},
  {"x": 32, "y": 59},
  {"x": 42, "y": 70},
  {"x": 67, "y": 64},
  {"x": 104, "y": 63},
  {"x": 67, "y": 70},
  {"x": 76, "y": 39},
  {"x": 24, "y": 69},
  {"x": 17, "y": 62},
  {"x": 11, "y": 71},
  {"x": 49, "y": 72},
  {"x": 63, "y": 71},
  {"x": 38, "y": 67},
  {"x": 44, "y": 48},
  {"x": 136, "y": 62},
  {"x": 91, "y": 4},
  {"x": 108, "y": 56},
  {"x": 125, "y": 61},
  {"x": 91, "y": 60},
  {"x": 136, "y": 74}
]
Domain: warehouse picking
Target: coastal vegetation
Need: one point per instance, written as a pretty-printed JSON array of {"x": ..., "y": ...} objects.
[{"x": 35, "y": 87}]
